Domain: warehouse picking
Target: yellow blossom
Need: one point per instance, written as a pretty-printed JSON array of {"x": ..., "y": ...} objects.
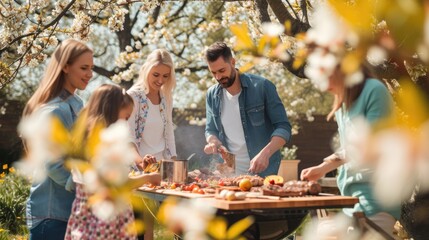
[{"x": 217, "y": 228}]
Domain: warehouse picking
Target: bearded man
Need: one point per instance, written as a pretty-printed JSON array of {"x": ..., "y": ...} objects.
[{"x": 244, "y": 114}]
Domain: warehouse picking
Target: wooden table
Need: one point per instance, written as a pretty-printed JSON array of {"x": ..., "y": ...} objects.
[{"x": 275, "y": 217}]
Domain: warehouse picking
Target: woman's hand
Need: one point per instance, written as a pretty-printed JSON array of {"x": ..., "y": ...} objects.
[
  {"x": 143, "y": 162},
  {"x": 312, "y": 173},
  {"x": 139, "y": 180}
]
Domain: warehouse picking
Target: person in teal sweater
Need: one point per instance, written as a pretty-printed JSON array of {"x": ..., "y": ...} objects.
[{"x": 371, "y": 100}]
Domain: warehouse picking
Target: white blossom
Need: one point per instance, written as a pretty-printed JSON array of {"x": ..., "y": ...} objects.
[
  {"x": 114, "y": 156},
  {"x": 186, "y": 72},
  {"x": 138, "y": 45},
  {"x": 354, "y": 78},
  {"x": 192, "y": 215},
  {"x": 376, "y": 55},
  {"x": 272, "y": 29},
  {"x": 36, "y": 130},
  {"x": 394, "y": 167},
  {"x": 331, "y": 227},
  {"x": 116, "y": 21}
]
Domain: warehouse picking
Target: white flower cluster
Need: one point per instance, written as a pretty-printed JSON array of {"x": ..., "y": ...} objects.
[
  {"x": 309, "y": 114},
  {"x": 116, "y": 21},
  {"x": 149, "y": 5},
  {"x": 11, "y": 17},
  {"x": 59, "y": 7},
  {"x": 3, "y": 109},
  {"x": 110, "y": 168},
  {"x": 401, "y": 159},
  {"x": 81, "y": 25},
  {"x": 331, "y": 38},
  {"x": 125, "y": 58},
  {"x": 197, "y": 121},
  {"x": 36, "y": 131},
  {"x": 211, "y": 26},
  {"x": 289, "y": 153},
  {"x": 192, "y": 216},
  {"x": 114, "y": 156},
  {"x": 337, "y": 227}
]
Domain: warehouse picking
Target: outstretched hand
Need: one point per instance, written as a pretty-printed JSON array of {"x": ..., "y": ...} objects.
[{"x": 312, "y": 173}]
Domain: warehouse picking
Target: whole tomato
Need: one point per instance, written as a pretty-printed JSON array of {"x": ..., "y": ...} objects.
[
  {"x": 196, "y": 190},
  {"x": 194, "y": 186},
  {"x": 201, "y": 191}
]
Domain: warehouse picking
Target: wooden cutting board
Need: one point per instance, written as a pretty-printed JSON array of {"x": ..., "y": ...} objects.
[
  {"x": 333, "y": 201},
  {"x": 172, "y": 192}
]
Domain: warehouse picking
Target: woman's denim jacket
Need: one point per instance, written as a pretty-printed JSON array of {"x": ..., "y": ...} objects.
[
  {"x": 53, "y": 197},
  {"x": 262, "y": 113}
]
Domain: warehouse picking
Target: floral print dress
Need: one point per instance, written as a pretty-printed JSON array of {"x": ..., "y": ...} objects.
[{"x": 83, "y": 224}]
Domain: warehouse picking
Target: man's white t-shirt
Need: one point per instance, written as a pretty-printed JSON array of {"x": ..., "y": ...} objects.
[
  {"x": 153, "y": 134},
  {"x": 231, "y": 122}
]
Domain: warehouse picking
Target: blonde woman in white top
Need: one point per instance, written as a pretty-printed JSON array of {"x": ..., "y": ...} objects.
[{"x": 151, "y": 122}]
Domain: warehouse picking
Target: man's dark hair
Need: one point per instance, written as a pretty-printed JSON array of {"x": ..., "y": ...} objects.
[{"x": 216, "y": 50}]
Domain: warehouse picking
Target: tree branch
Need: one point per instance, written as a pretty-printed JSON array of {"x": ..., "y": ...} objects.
[
  {"x": 283, "y": 15},
  {"x": 262, "y": 7},
  {"x": 103, "y": 72},
  {"x": 38, "y": 31}
]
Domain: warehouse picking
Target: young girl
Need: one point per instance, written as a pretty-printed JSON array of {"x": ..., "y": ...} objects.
[
  {"x": 106, "y": 105},
  {"x": 49, "y": 204}
]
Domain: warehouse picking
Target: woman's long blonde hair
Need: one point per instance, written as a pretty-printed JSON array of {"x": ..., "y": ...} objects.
[
  {"x": 53, "y": 80},
  {"x": 157, "y": 57}
]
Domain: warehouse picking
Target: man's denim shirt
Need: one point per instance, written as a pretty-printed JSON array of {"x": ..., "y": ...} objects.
[
  {"x": 262, "y": 113},
  {"x": 53, "y": 197}
]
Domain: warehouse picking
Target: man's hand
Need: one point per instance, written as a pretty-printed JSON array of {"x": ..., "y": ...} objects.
[
  {"x": 210, "y": 148},
  {"x": 213, "y": 143},
  {"x": 260, "y": 162}
]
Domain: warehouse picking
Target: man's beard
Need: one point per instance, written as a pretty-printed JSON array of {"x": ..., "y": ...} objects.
[{"x": 229, "y": 80}]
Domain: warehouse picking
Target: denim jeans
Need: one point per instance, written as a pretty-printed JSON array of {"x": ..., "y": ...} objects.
[{"x": 49, "y": 229}]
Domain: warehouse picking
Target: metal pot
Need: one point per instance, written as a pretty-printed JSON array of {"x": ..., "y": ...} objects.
[{"x": 174, "y": 170}]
